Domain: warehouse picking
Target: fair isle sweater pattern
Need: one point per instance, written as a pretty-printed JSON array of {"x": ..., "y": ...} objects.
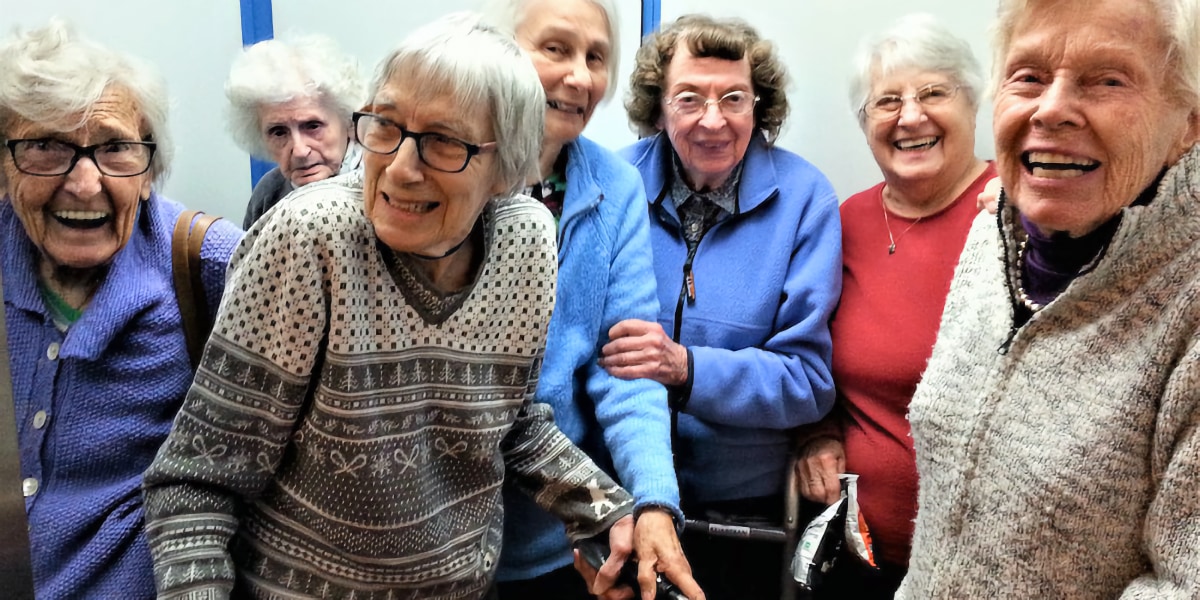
[
  {"x": 1061, "y": 458},
  {"x": 383, "y": 481}
]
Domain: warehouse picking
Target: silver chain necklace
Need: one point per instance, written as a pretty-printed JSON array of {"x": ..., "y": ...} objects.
[{"x": 886, "y": 223}]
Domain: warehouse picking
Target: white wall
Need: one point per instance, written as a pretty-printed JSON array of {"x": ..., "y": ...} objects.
[{"x": 193, "y": 42}]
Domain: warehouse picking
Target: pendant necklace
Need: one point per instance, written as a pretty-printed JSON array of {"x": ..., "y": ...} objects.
[{"x": 892, "y": 241}]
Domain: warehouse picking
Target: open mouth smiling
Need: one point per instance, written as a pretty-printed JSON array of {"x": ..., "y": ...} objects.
[
  {"x": 922, "y": 143},
  {"x": 1057, "y": 166},
  {"x": 81, "y": 219},
  {"x": 412, "y": 207},
  {"x": 567, "y": 108}
]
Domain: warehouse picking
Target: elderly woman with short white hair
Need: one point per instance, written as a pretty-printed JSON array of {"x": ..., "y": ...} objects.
[
  {"x": 96, "y": 341},
  {"x": 1057, "y": 427},
  {"x": 916, "y": 90},
  {"x": 368, "y": 387},
  {"x": 290, "y": 101}
]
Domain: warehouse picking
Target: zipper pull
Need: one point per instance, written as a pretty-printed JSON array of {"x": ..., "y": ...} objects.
[{"x": 689, "y": 280}]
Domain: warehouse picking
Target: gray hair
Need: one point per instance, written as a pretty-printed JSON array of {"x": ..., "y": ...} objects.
[
  {"x": 53, "y": 76},
  {"x": 1179, "y": 21},
  {"x": 282, "y": 70},
  {"x": 507, "y": 15},
  {"x": 459, "y": 54},
  {"x": 916, "y": 41}
]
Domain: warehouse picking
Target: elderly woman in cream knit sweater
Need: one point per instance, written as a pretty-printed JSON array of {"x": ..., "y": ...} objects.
[{"x": 1057, "y": 428}]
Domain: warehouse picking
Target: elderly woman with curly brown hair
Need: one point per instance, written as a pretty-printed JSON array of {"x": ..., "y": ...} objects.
[{"x": 747, "y": 253}]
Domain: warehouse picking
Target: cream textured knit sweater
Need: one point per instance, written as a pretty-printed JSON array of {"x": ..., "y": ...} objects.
[{"x": 1062, "y": 459}]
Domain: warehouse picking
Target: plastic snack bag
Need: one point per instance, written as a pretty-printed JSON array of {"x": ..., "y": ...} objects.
[{"x": 839, "y": 528}]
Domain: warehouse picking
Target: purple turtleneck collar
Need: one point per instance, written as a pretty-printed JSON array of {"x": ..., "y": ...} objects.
[{"x": 1053, "y": 261}]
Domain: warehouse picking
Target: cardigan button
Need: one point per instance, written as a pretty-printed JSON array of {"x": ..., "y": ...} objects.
[
  {"x": 29, "y": 486},
  {"x": 39, "y": 419},
  {"x": 52, "y": 351}
]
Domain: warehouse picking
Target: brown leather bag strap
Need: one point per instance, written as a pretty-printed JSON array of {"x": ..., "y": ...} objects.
[
  {"x": 189, "y": 285},
  {"x": 16, "y": 574}
]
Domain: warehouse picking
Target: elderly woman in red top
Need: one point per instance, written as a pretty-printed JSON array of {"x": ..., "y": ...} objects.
[{"x": 916, "y": 94}]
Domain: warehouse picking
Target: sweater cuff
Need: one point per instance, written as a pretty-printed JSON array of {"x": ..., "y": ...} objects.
[{"x": 679, "y": 395}]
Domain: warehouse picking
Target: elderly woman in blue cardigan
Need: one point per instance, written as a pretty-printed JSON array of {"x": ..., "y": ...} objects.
[
  {"x": 747, "y": 251},
  {"x": 95, "y": 338}
]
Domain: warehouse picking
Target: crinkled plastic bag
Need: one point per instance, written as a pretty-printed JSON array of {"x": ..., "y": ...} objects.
[{"x": 840, "y": 526}]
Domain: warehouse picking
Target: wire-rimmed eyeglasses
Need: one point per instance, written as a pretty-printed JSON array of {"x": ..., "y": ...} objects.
[
  {"x": 690, "y": 104},
  {"x": 48, "y": 157},
  {"x": 439, "y": 152},
  {"x": 888, "y": 105}
]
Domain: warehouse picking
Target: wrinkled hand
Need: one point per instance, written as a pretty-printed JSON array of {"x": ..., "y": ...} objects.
[
  {"x": 620, "y": 545},
  {"x": 821, "y": 461},
  {"x": 990, "y": 195},
  {"x": 658, "y": 550},
  {"x": 642, "y": 350}
]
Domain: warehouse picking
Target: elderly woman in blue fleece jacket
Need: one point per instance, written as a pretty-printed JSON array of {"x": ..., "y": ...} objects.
[
  {"x": 605, "y": 275},
  {"x": 747, "y": 251}
]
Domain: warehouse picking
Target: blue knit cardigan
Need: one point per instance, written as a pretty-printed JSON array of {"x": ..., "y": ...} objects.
[{"x": 94, "y": 404}]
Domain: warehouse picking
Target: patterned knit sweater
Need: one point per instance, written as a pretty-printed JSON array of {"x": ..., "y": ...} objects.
[
  {"x": 1061, "y": 459},
  {"x": 349, "y": 428}
]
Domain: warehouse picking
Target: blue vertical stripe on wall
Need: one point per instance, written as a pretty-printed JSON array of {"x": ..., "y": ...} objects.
[
  {"x": 257, "y": 25},
  {"x": 651, "y": 15}
]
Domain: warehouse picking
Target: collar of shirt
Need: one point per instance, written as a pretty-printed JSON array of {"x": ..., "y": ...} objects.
[{"x": 724, "y": 196}]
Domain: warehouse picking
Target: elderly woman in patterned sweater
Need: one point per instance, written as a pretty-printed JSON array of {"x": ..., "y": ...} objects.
[
  {"x": 369, "y": 380},
  {"x": 1057, "y": 427}
]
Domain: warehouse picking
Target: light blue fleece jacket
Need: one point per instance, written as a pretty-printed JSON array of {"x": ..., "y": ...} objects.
[
  {"x": 766, "y": 282},
  {"x": 605, "y": 276}
]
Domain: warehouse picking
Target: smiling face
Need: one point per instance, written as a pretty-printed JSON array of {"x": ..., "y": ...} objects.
[
  {"x": 1084, "y": 116},
  {"x": 82, "y": 219},
  {"x": 305, "y": 138},
  {"x": 569, "y": 44},
  {"x": 921, "y": 144},
  {"x": 710, "y": 144},
  {"x": 414, "y": 208}
]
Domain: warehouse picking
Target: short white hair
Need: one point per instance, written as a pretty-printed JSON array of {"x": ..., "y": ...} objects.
[
  {"x": 1179, "y": 21},
  {"x": 917, "y": 41},
  {"x": 54, "y": 77},
  {"x": 507, "y": 15},
  {"x": 282, "y": 70},
  {"x": 482, "y": 68}
]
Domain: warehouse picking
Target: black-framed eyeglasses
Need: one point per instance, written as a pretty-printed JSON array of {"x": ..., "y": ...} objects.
[
  {"x": 889, "y": 105},
  {"x": 439, "y": 152},
  {"x": 48, "y": 157},
  {"x": 690, "y": 104}
]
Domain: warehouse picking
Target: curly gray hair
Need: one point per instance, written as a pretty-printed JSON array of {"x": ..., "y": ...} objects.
[
  {"x": 282, "y": 70},
  {"x": 54, "y": 76},
  {"x": 916, "y": 41}
]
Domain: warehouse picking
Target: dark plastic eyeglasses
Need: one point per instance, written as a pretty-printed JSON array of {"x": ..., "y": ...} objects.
[
  {"x": 48, "y": 157},
  {"x": 439, "y": 152}
]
